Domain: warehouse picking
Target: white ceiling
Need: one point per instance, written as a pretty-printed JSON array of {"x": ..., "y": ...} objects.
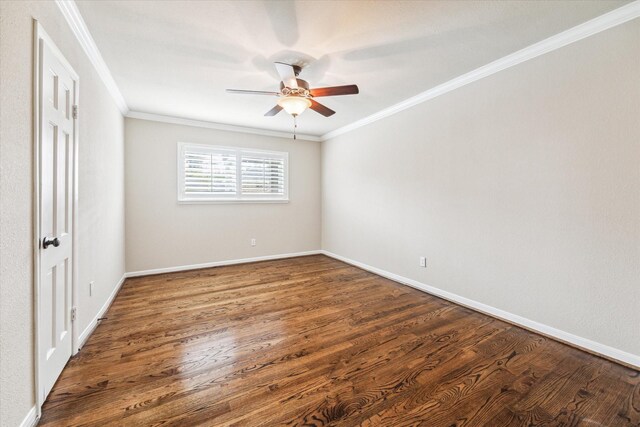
[{"x": 176, "y": 58}]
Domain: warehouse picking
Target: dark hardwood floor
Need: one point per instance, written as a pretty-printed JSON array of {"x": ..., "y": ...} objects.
[{"x": 312, "y": 341}]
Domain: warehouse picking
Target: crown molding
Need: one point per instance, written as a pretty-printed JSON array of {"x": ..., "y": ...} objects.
[
  {"x": 79, "y": 28},
  {"x": 218, "y": 126},
  {"x": 603, "y": 22}
]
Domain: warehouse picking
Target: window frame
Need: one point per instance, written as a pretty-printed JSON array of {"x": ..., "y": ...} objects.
[{"x": 237, "y": 197}]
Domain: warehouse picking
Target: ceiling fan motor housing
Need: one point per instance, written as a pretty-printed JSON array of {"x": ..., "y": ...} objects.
[{"x": 301, "y": 90}]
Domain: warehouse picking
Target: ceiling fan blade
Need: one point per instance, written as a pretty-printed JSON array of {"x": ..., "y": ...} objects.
[
  {"x": 252, "y": 92},
  {"x": 335, "y": 91},
  {"x": 319, "y": 108},
  {"x": 275, "y": 110},
  {"x": 287, "y": 74}
]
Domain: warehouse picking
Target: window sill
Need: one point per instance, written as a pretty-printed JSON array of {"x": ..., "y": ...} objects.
[{"x": 229, "y": 201}]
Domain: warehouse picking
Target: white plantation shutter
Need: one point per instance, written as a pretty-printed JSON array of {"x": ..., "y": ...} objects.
[
  {"x": 208, "y": 173},
  {"x": 262, "y": 175}
]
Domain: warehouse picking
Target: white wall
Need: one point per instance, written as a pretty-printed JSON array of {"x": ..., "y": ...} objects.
[
  {"x": 522, "y": 189},
  {"x": 101, "y": 194},
  {"x": 162, "y": 233}
]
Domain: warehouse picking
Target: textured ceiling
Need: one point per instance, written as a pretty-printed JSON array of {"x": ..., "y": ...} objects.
[{"x": 177, "y": 57}]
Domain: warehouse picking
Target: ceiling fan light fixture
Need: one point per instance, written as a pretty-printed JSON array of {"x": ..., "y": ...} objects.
[{"x": 294, "y": 105}]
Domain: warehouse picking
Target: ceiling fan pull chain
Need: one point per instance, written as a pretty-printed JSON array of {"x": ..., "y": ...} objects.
[{"x": 295, "y": 126}]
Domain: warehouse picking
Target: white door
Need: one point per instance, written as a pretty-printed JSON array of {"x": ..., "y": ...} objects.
[{"x": 57, "y": 95}]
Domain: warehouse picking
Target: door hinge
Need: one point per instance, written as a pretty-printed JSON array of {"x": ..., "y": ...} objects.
[
  {"x": 75, "y": 111},
  {"x": 74, "y": 311}
]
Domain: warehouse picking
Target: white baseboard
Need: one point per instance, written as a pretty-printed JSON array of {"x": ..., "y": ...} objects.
[
  {"x": 218, "y": 263},
  {"x": 574, "y": 340},
  {"x": 82, "y": 339},
  {"x": 30, "y": 419}
]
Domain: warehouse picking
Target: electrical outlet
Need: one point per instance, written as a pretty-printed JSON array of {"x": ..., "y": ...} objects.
[
  {"x": 423, "y": 261},
  {"x": 253, "y": 242},
  {"x": 91, "y": 284}
]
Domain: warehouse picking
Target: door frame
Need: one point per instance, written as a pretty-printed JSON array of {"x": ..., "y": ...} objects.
[{"x": 40, "y": 35}]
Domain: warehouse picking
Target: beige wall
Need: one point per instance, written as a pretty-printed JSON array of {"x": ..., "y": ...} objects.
[
  {"x": 162, "y": 233},
  {"x": 101, "y": 194},
  {"x": 522, "y": 189}
]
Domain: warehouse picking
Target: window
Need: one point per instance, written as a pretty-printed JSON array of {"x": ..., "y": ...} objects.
[{"x": 209, "y": 173}]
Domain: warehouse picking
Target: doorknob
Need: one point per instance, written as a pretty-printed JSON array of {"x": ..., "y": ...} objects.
[{"x": 48, "y": 242}]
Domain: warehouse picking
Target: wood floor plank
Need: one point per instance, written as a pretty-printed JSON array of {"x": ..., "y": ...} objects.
[{"x": 311, "y": 341}]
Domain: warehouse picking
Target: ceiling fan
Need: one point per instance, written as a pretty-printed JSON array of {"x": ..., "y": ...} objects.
[{"x": 295, "y": 96}]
